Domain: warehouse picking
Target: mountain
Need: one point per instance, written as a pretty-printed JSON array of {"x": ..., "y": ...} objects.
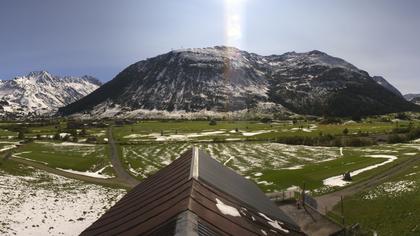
[
  {"x": 414, "y": 98},
  {"x": 383, "y": 82},
  {"x": 410, "y": 96},
  {"x": 40, "y": 93},
  {"x": 225, "y": 79}
]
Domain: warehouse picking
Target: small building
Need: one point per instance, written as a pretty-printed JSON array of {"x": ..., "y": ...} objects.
[{"x": 195, "y": 195}]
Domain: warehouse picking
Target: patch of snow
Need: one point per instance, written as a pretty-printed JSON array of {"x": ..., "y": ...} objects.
[
  {"x": 297, "y": 167},
  {"x": 248, "y": 134},
  {"x": 338, "y": 181},
  {"x": 67, "y": 144},
  {"x": 233, "y": 139},
  {"x": 96, "y": 174},
  {"x": 47, "y": 204},
  {"x": 7, "y": 147},
  {"x": 391, "y": 189},
  {"x": 227, "y": 161},
  {"x": 226, "y": 209},
  {"x": 274, "y": 223},
  {"x": 63, "y": 135},
  {"x": 258, "y": 174}
]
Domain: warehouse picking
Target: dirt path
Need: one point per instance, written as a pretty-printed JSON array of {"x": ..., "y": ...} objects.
[
  {"x": 110, "y": 182},
  {"x": 328, "y": 201},
  {"x": 123, "y": 178},
  {"x": 121, "y": 172}
]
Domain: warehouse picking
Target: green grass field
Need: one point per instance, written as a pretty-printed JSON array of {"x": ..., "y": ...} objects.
[
  {"x": 146, "y": 131},
  {"x": 65, "y": 155},
  {"x": 6, "y": 134},
  {"x": 273, "y": 166},
  {"x": 392, "y": 208}
]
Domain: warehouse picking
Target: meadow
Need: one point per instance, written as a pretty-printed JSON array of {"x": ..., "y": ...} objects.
[
  {"x": 273, "y": 166},
  {"x": 196, "y": 131},
  {"x": 392, "y": 208},
  {"x": 248, "y": 147},
  {"x": 68, "y": 156}
]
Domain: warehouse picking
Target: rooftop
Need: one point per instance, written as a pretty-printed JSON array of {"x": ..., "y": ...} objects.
[{"x": 195, "y": 195}]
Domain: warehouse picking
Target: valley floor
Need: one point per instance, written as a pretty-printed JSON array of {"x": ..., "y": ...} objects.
[{"x": 57, "y": 187}]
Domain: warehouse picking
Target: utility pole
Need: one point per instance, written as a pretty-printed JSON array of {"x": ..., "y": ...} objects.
[{"x": 342, "y": 210}]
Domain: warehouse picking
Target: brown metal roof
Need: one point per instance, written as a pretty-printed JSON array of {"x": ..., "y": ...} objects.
[{"x": 177, "y": 200}]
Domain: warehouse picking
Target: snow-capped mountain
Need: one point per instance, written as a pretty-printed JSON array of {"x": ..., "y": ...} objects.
[
  {"x": 383, "y": 82},
  {"x": 225, "y": 79},
  {"x": 39, "y": 93},
  {"x": 414, "y": 98}
]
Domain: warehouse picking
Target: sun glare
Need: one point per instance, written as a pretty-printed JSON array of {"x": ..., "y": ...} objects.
[{"x": 234, "y": 10}]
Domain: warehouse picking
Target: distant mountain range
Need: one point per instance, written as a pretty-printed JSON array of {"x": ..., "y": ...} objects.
[
  {"x": 40, "y": 93},
  {"x": 415, "y": 98},
  {"x": 225, "y": 79}
]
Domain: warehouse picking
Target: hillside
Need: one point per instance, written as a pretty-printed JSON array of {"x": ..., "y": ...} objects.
[{"x": 225, "y": 79}]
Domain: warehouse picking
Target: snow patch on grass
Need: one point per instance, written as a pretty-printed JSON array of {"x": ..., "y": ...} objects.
[
  {"x": 391, "y": 189},
  {"x": 47, "y": 204},
  {"x": 248, "y": 134},
  {"x": 96, "y": 174},
  {"x": 337, "y": 181}
]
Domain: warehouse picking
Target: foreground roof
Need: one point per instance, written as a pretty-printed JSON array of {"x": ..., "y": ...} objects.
[{"x": 194, "y": 195}]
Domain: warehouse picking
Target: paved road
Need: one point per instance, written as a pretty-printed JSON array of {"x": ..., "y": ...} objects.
[
  {"x": 328, "y": 201},
  {"x": 121, "y": 172}
]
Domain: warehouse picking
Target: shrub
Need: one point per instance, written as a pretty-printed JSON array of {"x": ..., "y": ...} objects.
[
  {"x": 21, "y": 135},
  {"x": 266, "y": 120},
  {"x": 395, "y": 138},
  {"x": 346, "y": 131}
]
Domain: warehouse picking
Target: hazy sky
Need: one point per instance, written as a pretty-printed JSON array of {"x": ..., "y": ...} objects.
[{"x": 102, "y": 37}]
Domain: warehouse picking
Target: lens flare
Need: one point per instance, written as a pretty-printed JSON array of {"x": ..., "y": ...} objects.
[{"x": 234, "y": 10}]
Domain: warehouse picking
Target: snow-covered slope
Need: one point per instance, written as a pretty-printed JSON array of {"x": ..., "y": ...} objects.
[
  {"x": 414, "y": 98},
  {"x": 226, "y": 79},
  {"x": 39, "y": 93}
]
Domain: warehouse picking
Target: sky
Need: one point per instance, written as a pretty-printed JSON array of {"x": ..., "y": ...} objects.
[{"x": 102, "y": 37}]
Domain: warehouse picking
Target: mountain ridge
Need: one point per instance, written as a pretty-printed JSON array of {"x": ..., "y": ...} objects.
[
  {"x": 226, "y": 79},
  {"x": 39, "y": 93}
]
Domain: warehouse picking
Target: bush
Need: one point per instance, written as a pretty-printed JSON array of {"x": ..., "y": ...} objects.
[
  {"x": 414, "y": 134},
  {"x": 212, "y": 122},
  {"x": 91, "y": 139},
  {"x": 402, "y": 116},
  {"x": 395, "y": 138},
  {"x": 57, "y": 136},
  {"x": 358, "y": 142},
  {"x": 401, "y": 130},
  {"x": 21, "y": 135},
  {"x": 346, "y": 131},
  {"x": 266, "y": 120}
]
